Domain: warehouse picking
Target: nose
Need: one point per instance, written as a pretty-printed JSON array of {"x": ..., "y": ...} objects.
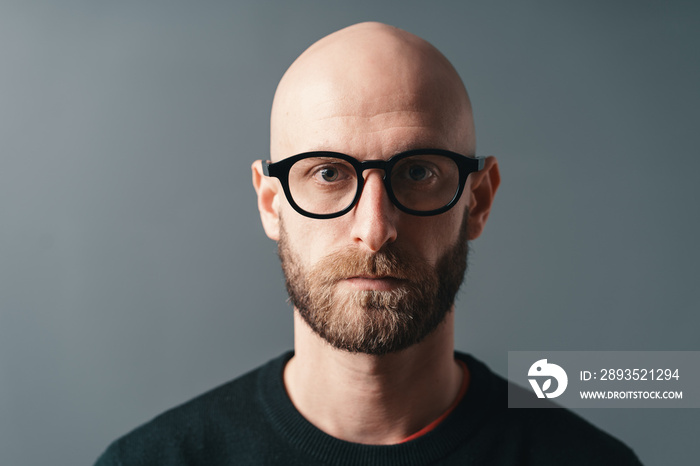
[{"x": 375, "y": 216}]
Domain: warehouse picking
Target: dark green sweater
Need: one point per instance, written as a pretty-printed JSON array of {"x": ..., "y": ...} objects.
[{"x": 252, "y": 421}]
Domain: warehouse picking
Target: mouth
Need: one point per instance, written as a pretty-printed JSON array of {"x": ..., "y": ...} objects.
[{"x": 373, "y": 282}]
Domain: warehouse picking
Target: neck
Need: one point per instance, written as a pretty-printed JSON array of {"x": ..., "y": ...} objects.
[{"x": 371, "y": 399}]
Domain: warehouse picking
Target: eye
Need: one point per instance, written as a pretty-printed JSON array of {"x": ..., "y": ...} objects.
[
  {"x": 329, "y": 173},
  {"x": 417, "y": 173}
]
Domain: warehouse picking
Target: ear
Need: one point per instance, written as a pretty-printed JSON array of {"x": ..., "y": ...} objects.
[
  {"x": 268, "y": 190},
  {"x": 482, "y": 187}
]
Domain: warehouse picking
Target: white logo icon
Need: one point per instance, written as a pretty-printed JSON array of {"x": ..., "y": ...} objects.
[{"x": 543, "y": 369}]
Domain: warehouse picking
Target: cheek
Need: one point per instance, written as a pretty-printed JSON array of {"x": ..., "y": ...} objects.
[
  {"x": 432, "y": 236},
  {"x": 310, "y": 239}
]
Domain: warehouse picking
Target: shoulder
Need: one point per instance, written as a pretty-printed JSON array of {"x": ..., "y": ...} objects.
[
  {"x": 228, "y": 415},
  {"x": 541, "y": 436}
]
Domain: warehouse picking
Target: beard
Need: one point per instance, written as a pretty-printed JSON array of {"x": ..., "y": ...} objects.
[{"x": 371, "y": 321}]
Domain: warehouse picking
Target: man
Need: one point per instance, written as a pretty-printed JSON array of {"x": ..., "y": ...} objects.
[{"x": 372, "y": 193}]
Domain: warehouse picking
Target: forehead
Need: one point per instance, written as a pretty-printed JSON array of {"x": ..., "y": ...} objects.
[{"x": 368, "y": 121}]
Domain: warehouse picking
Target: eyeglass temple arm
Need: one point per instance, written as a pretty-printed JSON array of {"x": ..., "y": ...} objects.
[{"x": 266, "y": 167}]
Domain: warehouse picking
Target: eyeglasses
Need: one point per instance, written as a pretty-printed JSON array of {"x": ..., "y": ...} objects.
[{"x": 328, "y": 184}]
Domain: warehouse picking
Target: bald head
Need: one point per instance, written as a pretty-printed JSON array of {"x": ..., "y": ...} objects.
[{"x": 370, "y": 78}]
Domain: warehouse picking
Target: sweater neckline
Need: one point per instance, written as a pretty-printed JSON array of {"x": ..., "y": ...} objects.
[{"x": 304, "y": 436}]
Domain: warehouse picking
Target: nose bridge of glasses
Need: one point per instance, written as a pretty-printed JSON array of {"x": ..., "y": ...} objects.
[
  {"x": 381, "y": 190},
  {"x": 373, "y": 165},
  {"x": 367, "y": 167},
  {"x": 379, "y": 193}
]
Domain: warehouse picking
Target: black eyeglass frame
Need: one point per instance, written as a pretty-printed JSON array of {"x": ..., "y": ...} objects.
[{"x": 466, "y": 165}]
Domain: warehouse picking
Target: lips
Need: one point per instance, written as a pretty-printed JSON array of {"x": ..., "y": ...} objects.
[{"x": 373, "y": 282}]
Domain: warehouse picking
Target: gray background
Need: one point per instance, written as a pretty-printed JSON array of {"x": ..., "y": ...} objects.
[{"x": 134, "y": 273}]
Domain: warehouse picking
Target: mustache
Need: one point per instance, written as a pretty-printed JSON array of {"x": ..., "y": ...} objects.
[{"x": 387, "y": 262}]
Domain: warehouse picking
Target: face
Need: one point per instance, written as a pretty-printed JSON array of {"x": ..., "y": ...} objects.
[
  {"x": 376, "y": 279},
  {"x": 413, "y": 300}
]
